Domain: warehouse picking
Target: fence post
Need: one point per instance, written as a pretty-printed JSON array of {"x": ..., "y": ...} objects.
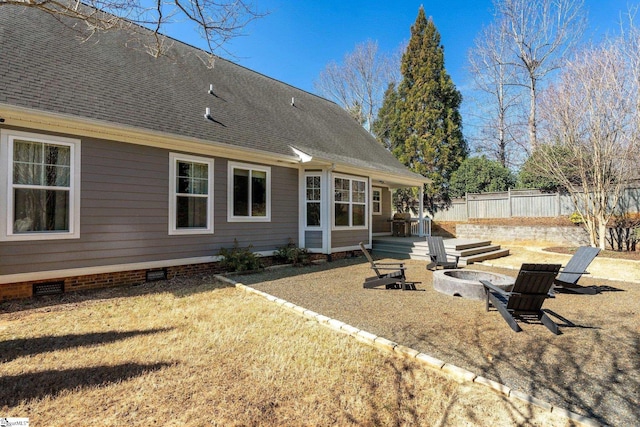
[
  {"x": 510, "y": 207},
  {"x": 466, "y": 204}
]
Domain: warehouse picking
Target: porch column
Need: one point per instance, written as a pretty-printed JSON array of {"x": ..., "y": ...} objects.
[{"x": 421, "y": 212}]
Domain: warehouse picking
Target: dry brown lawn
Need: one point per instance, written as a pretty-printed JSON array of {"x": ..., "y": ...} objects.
[
  {"x": 196, "y": 352},
  {"x": 592, "y": 368}
]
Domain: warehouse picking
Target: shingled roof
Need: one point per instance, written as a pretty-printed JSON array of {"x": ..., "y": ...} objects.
[{"x": 45, "y": 66}]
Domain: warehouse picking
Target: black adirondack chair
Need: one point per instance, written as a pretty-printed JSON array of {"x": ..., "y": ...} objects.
[
  {"x": 388, "y": 274},
  {"x": 575, "y": 268},
  {"x": 439, "y": 256},
  {"x": 525, "y": 299}
]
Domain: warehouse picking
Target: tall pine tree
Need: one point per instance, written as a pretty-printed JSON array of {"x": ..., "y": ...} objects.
[{"x": 421, "y": 122}]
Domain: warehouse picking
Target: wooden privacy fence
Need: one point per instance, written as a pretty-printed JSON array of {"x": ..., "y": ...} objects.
[{"x": 523, "y": 203}]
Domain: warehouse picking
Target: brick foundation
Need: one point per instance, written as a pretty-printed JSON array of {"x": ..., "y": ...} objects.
[{"x": 23, "y": 290}]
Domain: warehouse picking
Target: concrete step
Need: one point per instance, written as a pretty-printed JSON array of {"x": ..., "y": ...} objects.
[
  {"x": 400, "y": 255},
  {"x": 389, "y": 251}
]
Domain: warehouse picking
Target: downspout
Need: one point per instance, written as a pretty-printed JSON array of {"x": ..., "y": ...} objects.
[
  {"x": 421, "y": 212},
  {"x": 326, "y": 232},
  {"x": 302, "y": 241},
  {"x": 369, "y": 206}
]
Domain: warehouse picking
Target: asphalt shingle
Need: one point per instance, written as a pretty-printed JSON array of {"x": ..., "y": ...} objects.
[{"x": 109, "y": 77}]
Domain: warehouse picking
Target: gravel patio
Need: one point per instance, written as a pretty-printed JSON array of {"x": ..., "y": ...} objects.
[{"x": 592, "y": 368}]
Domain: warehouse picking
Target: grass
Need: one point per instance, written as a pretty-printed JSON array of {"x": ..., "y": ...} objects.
[{"x": 199, "y": 353}]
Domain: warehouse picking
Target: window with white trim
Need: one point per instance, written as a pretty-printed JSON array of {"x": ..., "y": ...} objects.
[
  {"x": 350, "y": 202},
  {"x": 313, "y": 200},
  {"x": 41, "y": 186},
  {"x": 249, "y": 193},
  {"x": 376, "y": 201},
  {"x": 191, "y": 194}
]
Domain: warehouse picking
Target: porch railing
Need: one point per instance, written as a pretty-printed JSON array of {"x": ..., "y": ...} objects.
[{"x": 415, "y": 227}]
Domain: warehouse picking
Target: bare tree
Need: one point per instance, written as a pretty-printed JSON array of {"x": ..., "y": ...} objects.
[
  {"x": 542, "y": 32},
  {"x": 589, "y": 133},
  {"x": 217, "y": 21},
  {"x": 629, "y": 40},
  {"x": 499, "y": 98},
  {"x": 358, "y": 83}
]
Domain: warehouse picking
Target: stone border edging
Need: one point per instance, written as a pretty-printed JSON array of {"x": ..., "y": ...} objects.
[{"x": 454, "y": 372}]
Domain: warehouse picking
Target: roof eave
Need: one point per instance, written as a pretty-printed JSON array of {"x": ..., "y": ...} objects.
[
  {"x": 30, "y": 118},
  {"x": 81, "y": 126}
]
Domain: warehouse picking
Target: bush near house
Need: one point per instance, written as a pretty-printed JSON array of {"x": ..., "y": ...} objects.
[
  {"x": 239, "y": 259},
  {"x": 291, "y": 254}
]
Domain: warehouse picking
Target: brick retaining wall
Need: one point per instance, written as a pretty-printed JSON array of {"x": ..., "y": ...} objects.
[{"x": 573, "y": 236}]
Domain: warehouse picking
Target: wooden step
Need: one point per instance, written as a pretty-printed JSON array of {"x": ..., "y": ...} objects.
[
  {"x": 468, "y": 250},
  {"x": 485, "y": 255},
  {"x": 473, "y": 251},
  {"x": 463, "y": 244}
]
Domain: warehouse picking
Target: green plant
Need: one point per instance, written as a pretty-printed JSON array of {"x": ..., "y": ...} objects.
[
  {"x": 291, "y": 254},
  {"x": 480, "y": 175},
  {"x": 576, "y": 218},
  {"x": 239, "y": 259}
]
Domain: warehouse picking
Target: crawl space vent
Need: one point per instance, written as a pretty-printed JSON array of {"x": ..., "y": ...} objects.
[
  {"x": 155, "y": 275},
  {"x": 49, "y": 288}
]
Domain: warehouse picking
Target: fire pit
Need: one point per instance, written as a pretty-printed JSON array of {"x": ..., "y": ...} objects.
[{"x": 466, "y": 283}]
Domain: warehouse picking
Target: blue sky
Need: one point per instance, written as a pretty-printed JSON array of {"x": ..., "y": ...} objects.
[{"x": 298, "y": 38}]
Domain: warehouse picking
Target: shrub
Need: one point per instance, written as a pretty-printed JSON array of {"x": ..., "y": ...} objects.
[
  {"x": 290, "y": 254},
  {"x": 480, "y": 175},
  {"x": 239, "y": 259},
  {"x": 576, "y": 218},
  {"x": 624, "y": 233}
]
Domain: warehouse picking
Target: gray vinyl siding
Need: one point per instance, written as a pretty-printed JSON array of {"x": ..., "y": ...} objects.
[
  {"x": 381, "y": 223},
  {"x": 313, "y": 239},
  {"x": 262, "y": 235},
  {"x": 348, "y": 238},
  {"x": 124, "y": 215}
]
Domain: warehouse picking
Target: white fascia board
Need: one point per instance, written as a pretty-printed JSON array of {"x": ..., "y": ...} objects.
[
  {"x": 33, "y": 119},
  {"x": 79, "y": 126}
]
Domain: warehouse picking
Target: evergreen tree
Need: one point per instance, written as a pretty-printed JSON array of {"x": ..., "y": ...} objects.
[
  {"x": 427, "y": 127},
  {"x": 480, "y": 175},
  {"x": 385, "y": 126}
]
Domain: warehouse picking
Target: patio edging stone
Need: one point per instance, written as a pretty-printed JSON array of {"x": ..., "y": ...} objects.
[{"x": 454, "y": 372}]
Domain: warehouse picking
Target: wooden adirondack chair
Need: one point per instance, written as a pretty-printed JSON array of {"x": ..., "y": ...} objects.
[
  {"x": 525, "y": 300},
  {"x": 388, "y": 274},
  {"x": 439, "y": 256},
  {"x": 575, "y": 268}
]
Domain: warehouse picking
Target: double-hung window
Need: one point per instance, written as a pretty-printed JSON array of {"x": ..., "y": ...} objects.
[
  {"x": 350, "y": 202},
  {"x": 191, "y": 195},
  {"x": 249, "y": 193},
  {"x": 41, "y": 184}
]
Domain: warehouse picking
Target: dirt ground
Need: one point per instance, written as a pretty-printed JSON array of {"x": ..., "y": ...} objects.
[
  {"x": 592, "y": 368},
  {"x": 603, "y": 267}
]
